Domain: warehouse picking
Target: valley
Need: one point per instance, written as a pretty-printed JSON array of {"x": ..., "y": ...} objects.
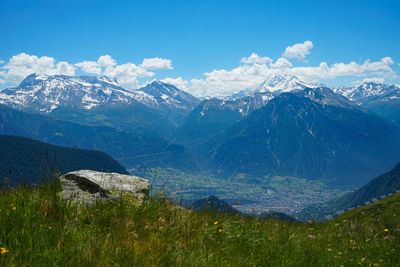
[
  {"x": 282, "y": 147},
  {"x": 248, "y": 195}
]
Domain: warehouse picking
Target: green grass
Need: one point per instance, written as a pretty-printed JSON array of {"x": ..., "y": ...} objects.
[{"x": 39, "y": 229}]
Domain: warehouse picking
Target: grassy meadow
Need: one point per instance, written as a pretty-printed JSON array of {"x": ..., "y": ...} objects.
[{"x": 37, "y": 228}]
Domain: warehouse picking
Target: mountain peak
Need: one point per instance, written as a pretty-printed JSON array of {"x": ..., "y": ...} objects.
[
  {"x": 370, "y": 85},
  {"x": 283, "y": 77},
  {"x": 33, "y": 79},
  {"x": 161, "y": 86},
  {"x": 284, "y": 83},
  {"x": 45, "y": 93},
  {"x": 107, "y": 79},
  {"x": 170, "y": 95},
  {"x": 160, "y": 83},
  {"x": 369, "y": 90}
]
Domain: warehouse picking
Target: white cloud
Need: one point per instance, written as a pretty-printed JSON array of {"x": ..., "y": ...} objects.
[
  {"x": 64, "y": 67},
  {"x": 255, "y": 59},
  {"x": 106, "y": 61},
  {"x": 22, "y": 65},
  {"x": 223, "y": 82},
  {"x": 298, "y": 51},
  {"x": 156, "y": 63},
  {"x": 281, "y": 63},
  {"x": 2, "y": 62},
  {"x": 249, "y": 76},
  {"x": 178, "y": 82},
  {"x": 381, "y": 68},
  {"x": 252, "y": 71},
  {"x": 97, "y": 67},
  {"x": 199, "y": 87},
  {"x": 128, "y": 74},
  {"x": 91, "y": 67},
  {"x": 372, "y": 79}
]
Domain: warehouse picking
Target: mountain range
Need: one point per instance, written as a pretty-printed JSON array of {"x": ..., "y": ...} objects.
[
  {"x": 344, "y": 135},
  {"x": 44, "y": 94},
  {"x": 130, "y": 148},
  {"x": 292, "y": 135},
  {"x": 154, "y": 109},
  {"x": 382, "y": 99}
]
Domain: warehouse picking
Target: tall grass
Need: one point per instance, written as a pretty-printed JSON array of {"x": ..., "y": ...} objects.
[{"x": 37, "y": 228}]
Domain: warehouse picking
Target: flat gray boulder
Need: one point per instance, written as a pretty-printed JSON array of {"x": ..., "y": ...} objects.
[{"x": 87, "y": 187}]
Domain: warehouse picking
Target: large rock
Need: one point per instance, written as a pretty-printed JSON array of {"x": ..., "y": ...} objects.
[{"x": 86, "y": 186}]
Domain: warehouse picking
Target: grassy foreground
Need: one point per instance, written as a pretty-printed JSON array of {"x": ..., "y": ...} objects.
[{"x": 39, "y": 229}]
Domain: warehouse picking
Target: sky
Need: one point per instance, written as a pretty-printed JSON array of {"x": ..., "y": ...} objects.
[{"x": 204, "y": 47}]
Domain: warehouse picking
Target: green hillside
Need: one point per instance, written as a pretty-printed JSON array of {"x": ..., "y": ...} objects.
[
  {"x": 384, "y": 184},
  {"x": 38, "y": 229},
  {"x": 28, "y": 161}
]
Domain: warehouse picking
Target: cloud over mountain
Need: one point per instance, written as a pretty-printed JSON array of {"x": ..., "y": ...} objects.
[
  {"x": 127, "y": 74},
  {"x": 249, "y": 74},
  {"x": 252, "y": 71},
  {"x": 21, "y": 65}
]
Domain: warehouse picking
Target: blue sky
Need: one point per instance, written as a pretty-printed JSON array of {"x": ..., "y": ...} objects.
[{"x": 201, "y": 36}]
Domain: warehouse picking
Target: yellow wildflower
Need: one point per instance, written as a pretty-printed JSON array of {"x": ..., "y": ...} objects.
[
  {"x": 4, "y": 250},
  {"x": 216, "y": 222},
  {"x": 386, "y": 230}
]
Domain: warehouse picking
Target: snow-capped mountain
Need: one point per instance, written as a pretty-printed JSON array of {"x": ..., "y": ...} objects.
[
  {"x": 284, "y": 83},
  {"x": 247, "y": 100},
  {"x": 274, "y": 86},
  {"x": 326, "y": 96},
  {"x": 168, "y": 95},
  {"x": 382, "y": 99},
  {"x": 294, "y": 134},
  {"x": 370, "y": 92},
  {"x": 243, "y": 105},
  {"x": 212, "y": 116},
  {"x": 44, "y": 94}
]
